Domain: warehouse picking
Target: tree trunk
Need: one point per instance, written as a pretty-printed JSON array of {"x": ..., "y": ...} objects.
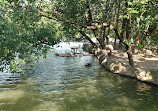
[
  {"x": 137, "y": 38},
  {"x": 115, "y": 44},
  {"x": 122, "y": 33},
  {"x": 137, "y": 31},
  {"x": 95, "y": 31},
  {"x": 129, "y": 49},
  {"x": 117, "y": 20},
  {"x": 130, "y": 57},
  {"x": 108, "y": 36},
  {"x": 125, "y": 25},
  {"x": 83, "y": 34}
]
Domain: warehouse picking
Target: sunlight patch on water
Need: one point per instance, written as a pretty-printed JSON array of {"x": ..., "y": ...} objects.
[
  {"x": 47, "y": 107},
  {"x": 12, "y": 96},
  {"x": 89, "y": 82},
  {"x": 125, "y": 103}
]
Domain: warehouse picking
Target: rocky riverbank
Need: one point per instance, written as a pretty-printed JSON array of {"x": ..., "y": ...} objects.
[{"x": 146, "y": 63}]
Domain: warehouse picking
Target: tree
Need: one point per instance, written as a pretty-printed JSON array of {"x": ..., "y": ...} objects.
[
  {"x": 23, "y": 33},
  {"x": 35, "y": 23}
]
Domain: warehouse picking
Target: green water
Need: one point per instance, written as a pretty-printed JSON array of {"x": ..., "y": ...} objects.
[{"x": 65, "y": 84}]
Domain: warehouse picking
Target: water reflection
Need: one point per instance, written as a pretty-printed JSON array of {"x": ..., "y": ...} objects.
[
  {"x": 65, "y": 84},
  {"x": 143, "y": 87}
]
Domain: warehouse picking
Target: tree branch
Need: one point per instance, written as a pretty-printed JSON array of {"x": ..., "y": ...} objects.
[{"x": 83, "y": 34}]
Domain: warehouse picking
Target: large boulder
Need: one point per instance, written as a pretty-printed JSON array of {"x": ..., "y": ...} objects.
[
  {"x": 114, "y": 66},
  {"x": 149, "y": 52}
]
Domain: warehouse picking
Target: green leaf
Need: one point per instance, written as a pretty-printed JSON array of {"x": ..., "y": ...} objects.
[
  {"x": 129, "y": 3},
  {"x": 134, "y": 11},
  {"x": 143, "y": 2}
]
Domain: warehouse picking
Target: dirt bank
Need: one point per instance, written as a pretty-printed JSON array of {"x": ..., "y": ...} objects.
[{"x": 146, "y": 63}]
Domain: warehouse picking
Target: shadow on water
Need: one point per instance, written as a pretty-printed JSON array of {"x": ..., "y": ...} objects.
[{"x": 65, "y": 84}]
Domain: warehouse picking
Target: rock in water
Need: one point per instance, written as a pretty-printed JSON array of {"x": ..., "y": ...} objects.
[{"x": 88, "y": 64}]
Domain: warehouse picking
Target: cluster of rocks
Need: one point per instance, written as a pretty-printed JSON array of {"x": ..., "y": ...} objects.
[{"x": 118, "y": 63}]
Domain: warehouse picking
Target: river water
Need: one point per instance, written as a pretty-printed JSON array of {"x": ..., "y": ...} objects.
[{"x": 65, "y": 84}]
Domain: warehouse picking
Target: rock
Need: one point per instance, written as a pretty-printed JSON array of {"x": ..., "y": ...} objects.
[
  {"x": 88, "y": 64},
  {"x": 97, "y": 52},
  {"x": 154, "y": 74},
  {"x": 109, "y": 47},
  {"x": 105, "y": 52},
  {"x": 113, "y": 66},
  {"x": 149, "y": 52},
  {"x": 119, "y": 64},
  {"x": 142, "y": 75}
]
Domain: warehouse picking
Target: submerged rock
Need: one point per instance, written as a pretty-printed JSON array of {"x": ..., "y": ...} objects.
[{"x": 88, "y": 64}]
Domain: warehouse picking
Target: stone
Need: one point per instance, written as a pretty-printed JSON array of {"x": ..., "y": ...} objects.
[
  {"x": 142, "y": 75},
  {"x": 109, "y": 48},
  {"x": 149, "y": 52},
  {"x": 105, "y": 52},
  {"x": 88, "y": 64},
  {"x": 118, "y": 64},
  {"x": 97, "y": 52}
]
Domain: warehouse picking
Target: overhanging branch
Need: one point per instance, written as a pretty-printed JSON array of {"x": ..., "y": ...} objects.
[
  {"x": 90, "y": 26},
  {"x": 83, "y": 34}
]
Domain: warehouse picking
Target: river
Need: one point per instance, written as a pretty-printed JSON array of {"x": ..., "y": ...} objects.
[{"x": 65, "y": 84}]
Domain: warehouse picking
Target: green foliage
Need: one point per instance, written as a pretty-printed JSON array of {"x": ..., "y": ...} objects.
[
  {"x": 139, "y": 46},
  {"x": 29, "y": 27},
  {"x": 129, "y": 42},
  {"x": 147, "y": 13},
  {"x": 23, "y": 33}
]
